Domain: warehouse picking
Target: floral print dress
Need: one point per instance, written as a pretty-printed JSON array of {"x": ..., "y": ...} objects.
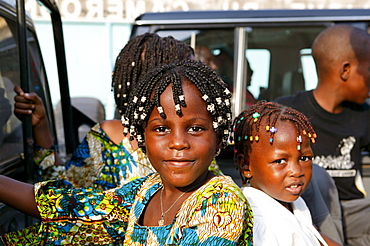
[
  {"x": 97, "y": 162},
  {"x": 217, "y": 213}
]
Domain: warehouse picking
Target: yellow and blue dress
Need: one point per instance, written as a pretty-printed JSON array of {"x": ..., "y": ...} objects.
[{"x": 217, "y": 213}]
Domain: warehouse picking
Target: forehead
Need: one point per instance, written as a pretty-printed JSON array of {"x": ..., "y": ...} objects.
[
  {"x": 283, "y": 130},
  {"x": 286, "y": 128},
  {"x": 192, "y": 97},
  {"x": 284, "y": 138}
]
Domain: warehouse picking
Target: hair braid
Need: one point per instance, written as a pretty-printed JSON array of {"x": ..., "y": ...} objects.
[
  {"x": 140, "y": 55},
  {"x": 155, "y": 83},
  {"x": 247, "y": 124}
]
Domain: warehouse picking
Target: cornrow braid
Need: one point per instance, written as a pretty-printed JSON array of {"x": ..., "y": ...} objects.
[
  {"x": 147, "y": 95},
  {"x": 140, "y": 55},
  {"x": 247, "y": 124}
]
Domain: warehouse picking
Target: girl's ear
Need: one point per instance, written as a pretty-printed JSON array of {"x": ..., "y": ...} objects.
[{"x": 243, "y": 164}]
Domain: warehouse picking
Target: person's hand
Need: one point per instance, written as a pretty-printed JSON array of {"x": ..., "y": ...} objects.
[{"x": 29, "y": 104}]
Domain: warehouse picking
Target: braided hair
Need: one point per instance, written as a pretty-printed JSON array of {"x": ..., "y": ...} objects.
[
  {"x": 140, "y": 55},
  {"x": 247, "y": 125},
  {"x": 147, "y": 95}
]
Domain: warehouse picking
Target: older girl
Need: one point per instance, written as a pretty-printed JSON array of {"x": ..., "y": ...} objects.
[{"x": 180, "y": 115}]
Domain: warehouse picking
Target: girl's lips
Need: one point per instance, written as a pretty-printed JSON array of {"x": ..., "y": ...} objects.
[
  {"x": 295, "y": 189},
  {"x": 179, "y": 163}
]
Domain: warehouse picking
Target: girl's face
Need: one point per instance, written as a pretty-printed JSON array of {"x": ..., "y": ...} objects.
[
  {"x": 181, "y": 147},
  {"x": 280, "y": 170}
]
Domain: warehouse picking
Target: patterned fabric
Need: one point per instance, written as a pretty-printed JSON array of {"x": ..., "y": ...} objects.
[
  {"x": 98, "y": 162},
  {"x": 43, "y": 157},
  {"x": 214, "y": 168},
  {"x": 215, "y": 214}
]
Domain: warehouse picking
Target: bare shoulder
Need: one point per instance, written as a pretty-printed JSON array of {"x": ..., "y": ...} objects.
[
  {"x": 111, "y": 124},
  {"x": 114, "y": 130}
]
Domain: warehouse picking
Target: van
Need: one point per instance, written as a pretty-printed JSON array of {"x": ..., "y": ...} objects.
[
  {"x": 265, "y": 52},
  {"x": 261, "y": 54}
]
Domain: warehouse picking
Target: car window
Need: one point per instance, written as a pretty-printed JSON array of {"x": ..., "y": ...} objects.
[
  {"x": 277, "y": 58},
  {"x": 10, "y": 127},
  {"x": 11, "y": 140},
  {"x": 258, "y": 72},
  {"x": 308, "y": 69},
  {"x": 289, "y": 63},
  {"x": 214, "y": 47}
]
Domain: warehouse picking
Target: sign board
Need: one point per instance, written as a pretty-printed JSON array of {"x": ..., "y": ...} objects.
[{"x": 125, "y": 11}]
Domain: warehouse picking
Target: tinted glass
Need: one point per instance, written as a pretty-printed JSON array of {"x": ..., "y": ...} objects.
[
  {"x": 10, "y": 127},
  {"x": 290, "y": 60},
  {"x": 213, "y": 47},
  {"x": 11, "y": 145}
]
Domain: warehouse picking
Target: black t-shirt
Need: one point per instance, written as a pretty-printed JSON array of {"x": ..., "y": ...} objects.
[{"x": 340, "y": 138}]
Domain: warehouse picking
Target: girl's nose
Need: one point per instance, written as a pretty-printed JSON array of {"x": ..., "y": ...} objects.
[
  {"x": 296, "y": 169},
  {"x": 178, "y": 141}
]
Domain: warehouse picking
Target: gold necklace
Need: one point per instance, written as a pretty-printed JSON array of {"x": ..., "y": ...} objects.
[{"x": 161, "y": 220}]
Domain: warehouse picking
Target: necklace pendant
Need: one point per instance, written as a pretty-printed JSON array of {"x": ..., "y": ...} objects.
[{"x": 161, "y": 222}]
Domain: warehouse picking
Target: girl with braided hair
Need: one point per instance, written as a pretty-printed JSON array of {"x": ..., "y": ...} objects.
[
  {"x": 273, "y": 153},
  {"x": 180, "y": 115},
  {"x": 142, "y": 54},
  {"x": 105, "y": 158}
]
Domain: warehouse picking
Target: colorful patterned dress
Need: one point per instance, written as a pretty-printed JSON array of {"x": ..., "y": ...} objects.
[
  {"x": 217, "y": 213},
  {"x": 97, "y": 162}
]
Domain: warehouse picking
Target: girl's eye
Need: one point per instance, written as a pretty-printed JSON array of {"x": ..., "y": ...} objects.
[
  {"x": 195, "y": 129},
  {"x": 160, "y": 129},
  {"x": 306, "y": 158},
  {"x": 279, "y": 161}
]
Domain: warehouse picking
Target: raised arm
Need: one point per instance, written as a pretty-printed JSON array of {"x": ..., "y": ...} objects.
[
  {"x": 31, "y": 104},
  {"x": 18, "y": 195}
]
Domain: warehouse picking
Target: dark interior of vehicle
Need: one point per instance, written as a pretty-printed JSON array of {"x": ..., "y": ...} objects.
[{"x": 283, "y": 43}]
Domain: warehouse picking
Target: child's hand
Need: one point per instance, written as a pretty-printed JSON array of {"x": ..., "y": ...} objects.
[{"x": 29, "y": 104}]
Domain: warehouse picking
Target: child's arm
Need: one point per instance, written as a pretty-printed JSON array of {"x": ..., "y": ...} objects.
[
  {"x": 18, "y": 195},
  {"x": 31, "y": 104},
  {"x": 105, "y": 213}
]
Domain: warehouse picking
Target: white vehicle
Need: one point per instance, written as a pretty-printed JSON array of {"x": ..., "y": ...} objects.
[{"x": 275, "y": 44}]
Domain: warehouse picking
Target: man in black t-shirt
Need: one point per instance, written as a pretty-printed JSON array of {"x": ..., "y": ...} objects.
[{"x": 341, "y": 119}]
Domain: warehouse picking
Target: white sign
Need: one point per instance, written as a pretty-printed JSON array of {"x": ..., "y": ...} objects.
[
  {"x": 128, "y": 10},
  {"x": 105, "y": 10}
]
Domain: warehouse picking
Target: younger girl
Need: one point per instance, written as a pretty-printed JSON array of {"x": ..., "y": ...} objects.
[
  {"x": 272, "y": 150},
  {"x": 180, "y": 114}
]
